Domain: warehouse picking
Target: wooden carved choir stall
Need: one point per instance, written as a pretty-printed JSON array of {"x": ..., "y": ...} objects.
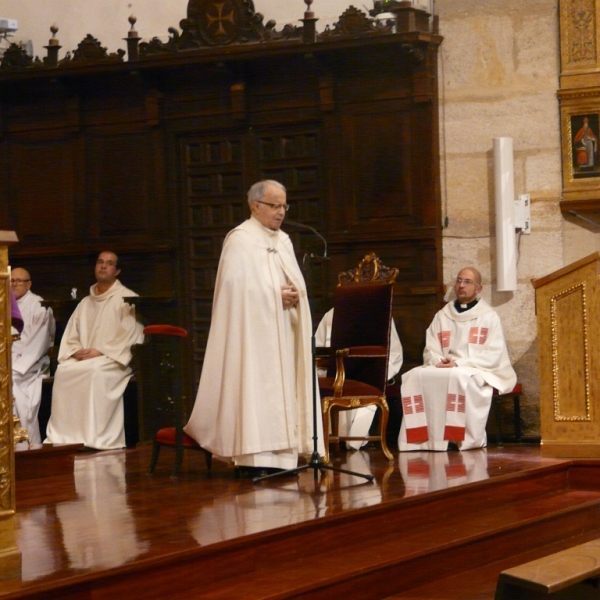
[{"x": 149, "y": 151}]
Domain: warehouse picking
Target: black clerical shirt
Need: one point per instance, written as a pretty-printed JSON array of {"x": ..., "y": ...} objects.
[{"x": 464, "y": 307}]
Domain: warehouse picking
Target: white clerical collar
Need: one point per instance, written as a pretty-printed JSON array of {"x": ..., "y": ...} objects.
[{"x": 271, "y": 232}]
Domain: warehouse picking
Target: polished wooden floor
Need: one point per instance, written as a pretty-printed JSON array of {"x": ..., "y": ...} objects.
[{"x": 109, "y": 527}]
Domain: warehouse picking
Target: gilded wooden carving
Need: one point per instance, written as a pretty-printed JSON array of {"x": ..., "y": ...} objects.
[
  {"x": 10, "y": 558},
  {"x": 579, "y": 97},
  {"x": 566, "y": 404},
  {"x": 5, "y": 404},
  {"x": 580, "y": 29},
  {"x": 369, "y": 269}
]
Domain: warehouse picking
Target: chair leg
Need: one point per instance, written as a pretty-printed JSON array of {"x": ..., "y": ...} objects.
[
  {"x": 326, "y": 431},
  {"x": 517, "y": 413},
  {"x": 208, "y": 459},
  {"x": 498, "y": 406},
  {"x": 334, "y": 419},
  {"x": 178, "y": 461},
  {"x": 382, "y": 432},
  {"x": 154, "y": 457}
]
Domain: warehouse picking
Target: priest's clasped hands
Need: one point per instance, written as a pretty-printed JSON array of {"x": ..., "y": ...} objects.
[
  {"x": 446, "y": 363},
  {"x": 86, "y": 353},
  {"x": 289, "y": 295}
]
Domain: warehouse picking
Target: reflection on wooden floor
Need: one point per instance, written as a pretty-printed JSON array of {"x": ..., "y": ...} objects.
[{"x": 110, "y": 518}]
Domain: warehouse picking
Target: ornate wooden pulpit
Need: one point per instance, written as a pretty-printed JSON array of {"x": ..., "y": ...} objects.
[
  {"x": 10, "y": 557},
  {"x": 568, "y": 316}
]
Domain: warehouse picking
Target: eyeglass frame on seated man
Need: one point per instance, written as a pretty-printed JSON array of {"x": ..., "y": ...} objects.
[
  {"x": 460, "y": 280},
  {"x": 285, "y": 207}
]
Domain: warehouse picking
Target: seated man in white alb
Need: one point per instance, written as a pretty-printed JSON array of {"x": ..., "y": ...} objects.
[
  {"x": 93, "y": 369},
  {"x": 30, "y": 359},
  {"x": 357, "y": 422},
  {"x": 448, "y": 399}
]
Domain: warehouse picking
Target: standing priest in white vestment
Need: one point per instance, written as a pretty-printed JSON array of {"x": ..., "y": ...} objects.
[
  {"x": 357, "y": 422},
  {"x": 448, "y": 399},
  {"x": 30, "y": 359},
  {"x": 93, "y": 369},
  {"x": 254, "y": 402}
]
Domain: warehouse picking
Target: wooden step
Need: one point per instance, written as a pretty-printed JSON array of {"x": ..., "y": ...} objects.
[
  {"x": 481, "y": 583},
  {"x": 376, "y": 551}
]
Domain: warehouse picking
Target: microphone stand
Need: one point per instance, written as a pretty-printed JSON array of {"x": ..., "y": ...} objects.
[{"x": 315, "y": 462}]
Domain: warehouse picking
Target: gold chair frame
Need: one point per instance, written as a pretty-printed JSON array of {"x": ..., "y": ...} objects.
[{"x": 369, "y": 270}]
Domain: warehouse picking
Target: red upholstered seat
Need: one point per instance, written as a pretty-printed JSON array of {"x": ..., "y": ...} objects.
[
  {"x": 168, "y": 399},
  {"x": 518, "y": 389},
  {"x": 166, "y": 436},
  {"x": 165, "y": 330}
]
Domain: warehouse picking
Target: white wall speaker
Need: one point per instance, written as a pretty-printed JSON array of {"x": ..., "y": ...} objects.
[{"x": 504, "y": 196}]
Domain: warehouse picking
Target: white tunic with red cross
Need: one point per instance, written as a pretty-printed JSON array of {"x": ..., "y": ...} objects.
[{"x": 452, "y": 404}]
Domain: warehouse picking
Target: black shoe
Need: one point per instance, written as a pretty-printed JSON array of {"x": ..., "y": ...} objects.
[
  {"x": 251, "y": 472},
  {"x": 245, "y": 472},
  {"x": 452, "y": 447}
]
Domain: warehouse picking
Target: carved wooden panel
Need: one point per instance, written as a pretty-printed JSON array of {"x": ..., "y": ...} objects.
[
  {"x": 118, "y": 188},
  {"x": 43, "y": 188},
  {"x": 213, "y": 203},
  {"x": 385, "y": 171},
  {"x": 293, "y": 157},
  {"x": 579, "y": 35}
]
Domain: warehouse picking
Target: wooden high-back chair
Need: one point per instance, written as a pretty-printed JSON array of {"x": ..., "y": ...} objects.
[{"x": 360, "y": 346}]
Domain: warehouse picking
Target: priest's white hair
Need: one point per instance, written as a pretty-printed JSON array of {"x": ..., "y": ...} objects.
[{"x": 257, "y": 191}]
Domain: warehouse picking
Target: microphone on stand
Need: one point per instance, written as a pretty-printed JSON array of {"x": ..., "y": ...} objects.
[{"x": 303, "y": 226}]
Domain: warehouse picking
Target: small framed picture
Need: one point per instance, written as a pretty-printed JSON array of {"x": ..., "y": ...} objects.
[
  {"x": 580, "y": 149},
  {"x": 584, "y": 145}
]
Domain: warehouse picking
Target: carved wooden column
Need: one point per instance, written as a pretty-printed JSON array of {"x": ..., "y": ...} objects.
[{"x": 10, "y": 557}]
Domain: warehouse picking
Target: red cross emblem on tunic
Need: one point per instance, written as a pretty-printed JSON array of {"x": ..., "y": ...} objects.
[
  {"x": 478, "y": 335},
  {"x": 455, "y": 403},
  {"x": 450, "y": 402},
  {"x": 444, "y": 337},
  {"x": 413, "y": 404}
]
